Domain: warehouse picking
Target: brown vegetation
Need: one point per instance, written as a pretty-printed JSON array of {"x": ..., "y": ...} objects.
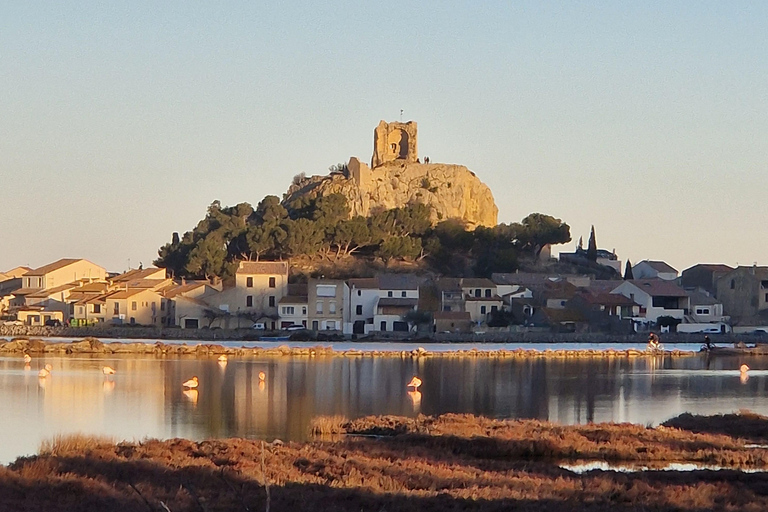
[
  {"x": 746, "y": 425},
  {"x": 453, "y": 462}
]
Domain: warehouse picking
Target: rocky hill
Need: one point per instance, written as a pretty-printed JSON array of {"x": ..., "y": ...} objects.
[{"x": 453, "y": 191}]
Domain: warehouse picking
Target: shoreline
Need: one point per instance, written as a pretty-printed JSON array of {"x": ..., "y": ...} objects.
[
  {"x": 428, "y": 463},
  {"x": 94, "y": 346}
]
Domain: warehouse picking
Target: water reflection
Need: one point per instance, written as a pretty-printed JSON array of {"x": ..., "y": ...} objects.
[{"x": 276, "y": 397}]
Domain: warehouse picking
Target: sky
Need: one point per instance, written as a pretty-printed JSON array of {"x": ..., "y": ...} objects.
[{"x": 120, "y": 122}]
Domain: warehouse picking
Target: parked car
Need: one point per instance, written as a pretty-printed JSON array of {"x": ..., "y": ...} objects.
[
  {"x": 294, "y": 327},
  {"x": 53, "y": 323},
  {"x": 259, "y": 325}
]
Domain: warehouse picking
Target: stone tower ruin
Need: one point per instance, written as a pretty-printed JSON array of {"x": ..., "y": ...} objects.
[{"x": 394, "y": 142}]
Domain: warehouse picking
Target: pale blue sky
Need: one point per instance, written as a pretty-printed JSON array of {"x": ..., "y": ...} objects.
[{"x": 121, "y": 122}]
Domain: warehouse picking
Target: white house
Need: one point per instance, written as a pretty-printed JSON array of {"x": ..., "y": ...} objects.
[
  {"x": 648, "y": 269},
  {"x": 360, "y": 307},
  {"x": 656, "y": 297}
]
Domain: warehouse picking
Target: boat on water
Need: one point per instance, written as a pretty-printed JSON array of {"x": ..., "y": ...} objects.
[
  {"x": 275, "y": 338},
  {"x": 759, "y": 349}
]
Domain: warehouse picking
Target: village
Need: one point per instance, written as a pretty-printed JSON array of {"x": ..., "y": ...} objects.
[{"x": 705, "y": 298}]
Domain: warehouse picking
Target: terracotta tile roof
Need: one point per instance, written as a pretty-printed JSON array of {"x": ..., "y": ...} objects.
[
  {"x": 364, "y": 283},
  {"x": 180, "y": 289},
  {"x": 56, "y": 265},
  {"x": 135, "y": 274},
  {"x": 659, "y": 266},
  {"x": 263, "y": 267},
  {"x": 41, "y": 294},
  {"x": 713, "y": 267},
  {"x": 14, "y": 273},
  {"x": 125, "y": 294},
  {"x": 26, "y": 291},
  {"x": 658, "y": 287}
]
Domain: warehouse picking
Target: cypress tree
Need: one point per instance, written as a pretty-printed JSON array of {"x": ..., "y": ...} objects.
[
  {"x": 592, "y": 247},
  {"x": 628, "y": 271}
]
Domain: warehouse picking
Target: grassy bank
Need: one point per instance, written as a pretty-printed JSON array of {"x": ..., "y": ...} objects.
[{"x": 452, "y": 462}]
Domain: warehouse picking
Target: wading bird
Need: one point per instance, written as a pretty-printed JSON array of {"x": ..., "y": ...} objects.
[
  {"x": 27, "y": 359},
  {"x": 262, "y": 376},
  {"x": 415, "y": 383},
  {"x": 191, "y": 383},
  {"x": 222, "y": 358},
  {"x": 108, "y": 370},
  {"x": 46, "y": 371}
]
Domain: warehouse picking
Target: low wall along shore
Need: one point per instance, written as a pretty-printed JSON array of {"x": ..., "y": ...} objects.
[
  {"x": 95, "y": 346},
  {"x": 127, "y": 332}
]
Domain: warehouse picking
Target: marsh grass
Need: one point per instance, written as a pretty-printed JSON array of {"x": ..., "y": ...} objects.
[
  {"x": 73, "y": 443},
  {"x": 327, "y": 425}
]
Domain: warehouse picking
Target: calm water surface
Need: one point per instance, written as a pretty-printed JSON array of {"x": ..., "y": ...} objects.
[{"x": 145, "y": 397}]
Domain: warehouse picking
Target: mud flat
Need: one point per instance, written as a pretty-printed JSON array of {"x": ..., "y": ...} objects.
[
  {"x": 94, "y": 346},
  {"x": 451, "y": 462}
]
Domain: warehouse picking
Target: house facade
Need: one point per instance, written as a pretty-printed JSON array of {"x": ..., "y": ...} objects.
[
  {"x": 649, "y": 269},
  {"x": 744, "y": 295},
  {"x": 325, "y": 300},
  {"x": 656, "y": 298}
]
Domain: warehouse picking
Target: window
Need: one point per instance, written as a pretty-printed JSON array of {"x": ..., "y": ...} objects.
[
  {"x": 271, "y": 301},
  {"x": 403, "y": 294},
  {"x": 303, "y": 310},
  {"x": 359, "y": 292},
  {"x": 162, "y": 305},
  {"x": 733, "y": 284},
  {"x": 494, "y": 309},
  {"x": 446, "y": 308},
  {"x": 487, "y": 292},
  {"x": 97, "y": 308},
  {"x": 359, "y": 310},
  {"x": 117, "y": 308},
  {"x": 133, "y": 321},
  {"x": 249, "y": 282},
  {"x": 478, "y": 292},
  {"x": 319, "y": 307},
  {"x": 271, "y": 282},
  {"x": 326, "y": 290},
  {"x": 71, "y": 308},
  {"x": 332, "y": 307},
  {"x": 330, "y": 325},
  {"x": 704, "y": 311},
  {"x": 389, "y": 294},
  {"x": 133, "y": 306},
  {"x": 482, "y": 310},
  {"x": 249, "y": 301},
  {"x": 288, "y": 310}
]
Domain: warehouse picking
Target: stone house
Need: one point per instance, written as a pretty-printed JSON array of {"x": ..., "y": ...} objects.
[
  {"x": 704, "y": 276},
  {"x": 138, "y": 306},
  {"x": 326, "y": 303},
  {"x": 648, "y": 269},
  {"x": 398, "y": 295},
  {"x": 186, "y": 305},
  {"x": 253, "y": 295},
  {"x": 476, "y": 296},
  {"x": 744, "y": 294},
  {"x": 58, "y": 273}
]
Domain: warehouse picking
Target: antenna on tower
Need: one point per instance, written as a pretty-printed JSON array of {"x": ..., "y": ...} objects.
[{"x": 401, "y": 115}]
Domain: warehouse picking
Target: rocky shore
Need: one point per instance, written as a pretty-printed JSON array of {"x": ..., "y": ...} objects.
[
  {"x": 95, "y": 346},
  {"x": 452, "y": 462}
]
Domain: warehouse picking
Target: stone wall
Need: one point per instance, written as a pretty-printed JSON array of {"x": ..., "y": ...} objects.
[{"x": 394, "y": 142}]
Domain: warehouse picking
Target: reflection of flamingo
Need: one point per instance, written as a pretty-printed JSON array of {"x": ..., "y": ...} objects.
[
  {"x": 415, "y": 383},
  {"x": 262, "y": 385},
  {"x": 415, "y": 397},
  {"x": 46, "y": 371},
  {"x": 107, "y": 370},
  {"x": 743, "y": 374},
  {"x": 108, "y": 386},
  {"x": 191, "y": 395},
  {"x": 191, "y": 383},
  {"x": 27, "y": 359}
]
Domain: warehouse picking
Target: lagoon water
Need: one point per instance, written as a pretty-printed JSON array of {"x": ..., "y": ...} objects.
[{"x": 145, "y": 397}]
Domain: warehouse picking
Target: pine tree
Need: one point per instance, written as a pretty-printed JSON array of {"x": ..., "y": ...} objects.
[
  {"x": 592, "y": 247},
  {"x": 628, "y": 271}
]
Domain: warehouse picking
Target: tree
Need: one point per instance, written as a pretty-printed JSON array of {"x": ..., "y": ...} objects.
[
  {"x": 537, "y": 230},
  {"x": 592, "y": 246},
  {"x": 399, "y": 247},
  {"x": 349, "y": 235},
  {"x": 628, "y": 271},
  {"x": 303, "y": 237},
  {"x": 208, "y": 258}
]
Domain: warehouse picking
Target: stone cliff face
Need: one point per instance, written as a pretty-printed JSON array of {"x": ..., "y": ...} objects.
[{"x": 453, "y": 191}]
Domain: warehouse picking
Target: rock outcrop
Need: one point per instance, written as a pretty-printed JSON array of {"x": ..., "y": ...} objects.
[{"x": 453, "y": 191}]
